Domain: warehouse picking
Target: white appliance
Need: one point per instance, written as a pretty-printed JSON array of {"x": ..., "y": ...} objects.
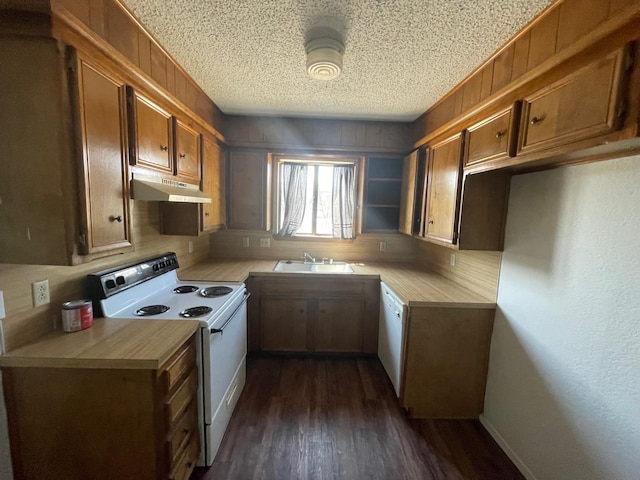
[
  {"x": 393, "y": 314},
  {"x": 150, "y": 289}
]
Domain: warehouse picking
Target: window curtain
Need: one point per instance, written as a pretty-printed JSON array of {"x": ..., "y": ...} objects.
[
  {"x": 342, "y": 202},
  {"x": 293, "y": 193}
]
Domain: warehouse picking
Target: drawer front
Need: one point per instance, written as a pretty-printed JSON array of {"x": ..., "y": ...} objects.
[
  {"x": 312, "y": 285},
  {"x": 578, "y": 107},
  {"x": 494, "y": 138},
  {"x": 181, "y": 363},
  {"x": 184, "y": 395},
  {"x": 185, "y": 430},
  {"x": 187, "y": 462}
]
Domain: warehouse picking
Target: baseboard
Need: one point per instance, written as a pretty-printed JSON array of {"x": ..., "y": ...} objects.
[{"x": 528, "y": 474}]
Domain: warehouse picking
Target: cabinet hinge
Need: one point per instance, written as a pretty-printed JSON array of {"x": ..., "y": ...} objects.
[
  {"x": 629, "y": 59},
  {"x": 621, "y": 111}
]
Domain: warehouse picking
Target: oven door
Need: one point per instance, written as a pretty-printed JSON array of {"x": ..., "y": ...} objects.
[{"x": 223, "y": 371}]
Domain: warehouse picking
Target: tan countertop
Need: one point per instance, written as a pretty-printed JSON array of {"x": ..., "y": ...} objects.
[
  {"x": 141, "y": 344},
  {"x": 416, "y": 286},
  {"x": 109, "y": 343}
]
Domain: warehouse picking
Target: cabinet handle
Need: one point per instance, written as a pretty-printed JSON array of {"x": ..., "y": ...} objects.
[
  {"x": 115, "y": 219},
  {"x": 164, "y": 148},
  {"x": 500, "y": 134},
  {"x": 536, "y": 120},
  {"x": 430, "y": 222},
  {"x": 206, "y": 214},
  {"x": 182, "y": 155}
]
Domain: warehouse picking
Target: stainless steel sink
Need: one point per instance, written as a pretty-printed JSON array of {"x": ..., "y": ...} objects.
[{"x": 298, "y": 266}]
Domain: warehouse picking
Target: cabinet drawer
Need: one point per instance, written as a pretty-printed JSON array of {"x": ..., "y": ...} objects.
[
  {"x": 580, "y": 106},
  {"x": 494, "y": 138},
  {"x": 313, "y": 286},
  {"x": 185, "y": 429},
  {"x": 183, "y": 396},
  {"x": 187, "y": 462},
  {"x": 182, "y": 362}
]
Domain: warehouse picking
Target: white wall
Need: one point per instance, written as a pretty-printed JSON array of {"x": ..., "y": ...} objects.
[{"x": 563, "y": 392}]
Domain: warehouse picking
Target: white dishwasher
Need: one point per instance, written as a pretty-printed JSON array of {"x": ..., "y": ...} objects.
[{"x": 390, "y": 333}]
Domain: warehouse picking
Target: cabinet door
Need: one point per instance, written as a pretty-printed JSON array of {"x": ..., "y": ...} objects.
[
  {"x": 103, "y": 124},
  {"x": 212, "y": 185},
  {"x": 152, "y": 134},
  {"x": 284, "y": 324},
  {"x": 493, "y": 138},
  {"x": 582, "y": 105},
  {"x": 339, "y": 325},
  {"x": 409, "y": 187},
  {"x": 248, "y": 191},
  {"x": 187, "y": 153},
  {"x": 445, "y": 361},
  {"x": 443, "y": 188}
]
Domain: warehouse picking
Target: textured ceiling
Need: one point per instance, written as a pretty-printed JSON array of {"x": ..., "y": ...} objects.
[{"x": 400, "y": 57}]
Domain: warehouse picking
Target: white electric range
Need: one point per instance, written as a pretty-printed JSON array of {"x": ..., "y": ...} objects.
[{"x": 150, "y": 289}]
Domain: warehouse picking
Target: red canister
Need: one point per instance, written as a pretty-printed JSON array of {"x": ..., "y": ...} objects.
[{"x": 77, "y": 315}]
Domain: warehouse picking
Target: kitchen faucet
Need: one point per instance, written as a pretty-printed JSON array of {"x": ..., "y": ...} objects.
[{"x": 306, "y": 257}]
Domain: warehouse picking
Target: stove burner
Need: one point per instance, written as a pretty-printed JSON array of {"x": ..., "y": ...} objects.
[
  {"x": 151, "y": 310},
  {"x": 196, "y": 311},
  {"x": 185, "y": 289},
  {"x": 215, "y": 291}
]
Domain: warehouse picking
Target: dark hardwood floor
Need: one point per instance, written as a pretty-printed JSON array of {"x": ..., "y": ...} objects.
[{"x": 338, "y": 418}]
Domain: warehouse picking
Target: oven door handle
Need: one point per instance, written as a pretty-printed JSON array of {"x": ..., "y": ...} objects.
[{"x": 221, "y": 329}]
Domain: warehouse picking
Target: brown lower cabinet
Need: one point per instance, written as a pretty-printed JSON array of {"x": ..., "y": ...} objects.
[
  {"x": 445, "y": 362},
  {"x": 313, "y": 314},
  {"x": 81, "y": 423}
]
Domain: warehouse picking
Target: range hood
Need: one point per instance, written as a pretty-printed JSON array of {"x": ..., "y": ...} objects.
[{"x": 159, "y": 189}]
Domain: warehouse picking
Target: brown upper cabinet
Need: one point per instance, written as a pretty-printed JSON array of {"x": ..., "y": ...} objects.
[
  {"x": 493, "y": 138},
  {"x": 465, "y": 212},
  {"x": 193, "y": 219},
  {"x": 64, "y": 199},
  {"x": 187, "y": 153},
  {"x": 407, "y": 214},
  {"x": 103, "y": 124},
  {"x": 161, "y": 142},
  {"x": 248, "y": 197},
  {"x": 585, "y": 104},
  {"x": 443, "y": 185},
  {"x": 151, "y": 134},
  {"x": 213, "y": 180}
]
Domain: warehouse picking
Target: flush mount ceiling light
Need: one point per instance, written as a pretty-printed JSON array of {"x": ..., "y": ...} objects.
[{"x": 324, "y": 57}]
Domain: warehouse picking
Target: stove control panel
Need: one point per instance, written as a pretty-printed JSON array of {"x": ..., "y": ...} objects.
[{"x": 105, "y": 283}]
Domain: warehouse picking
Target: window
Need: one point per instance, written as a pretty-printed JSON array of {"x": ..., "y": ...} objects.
[{"x": 316, "y": 196}]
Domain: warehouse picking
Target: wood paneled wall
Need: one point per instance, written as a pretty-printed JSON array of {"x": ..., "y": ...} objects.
[
  {"x": 24, "y": 323},
  {"x": 316, "y": 134},
  {"x": 549, "y": 37},
  {"x": 115, "y": 24},
  {"x": 479, "y": 271},
  {"x": 228, "y": 244}
]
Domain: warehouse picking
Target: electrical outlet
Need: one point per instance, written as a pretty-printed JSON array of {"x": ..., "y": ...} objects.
[
  {"x": 383, "y": 246},
  {"x": 245, "y": 242},
  {"x": 265, "y": 242},
  {"x": 452, "y": 260},
  {"x": 40, "y": 293},
  {"x": 190, "y": 246}
]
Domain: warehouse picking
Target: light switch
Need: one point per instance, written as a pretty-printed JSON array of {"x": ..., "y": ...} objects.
[{"x": 2, "y": 312}]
